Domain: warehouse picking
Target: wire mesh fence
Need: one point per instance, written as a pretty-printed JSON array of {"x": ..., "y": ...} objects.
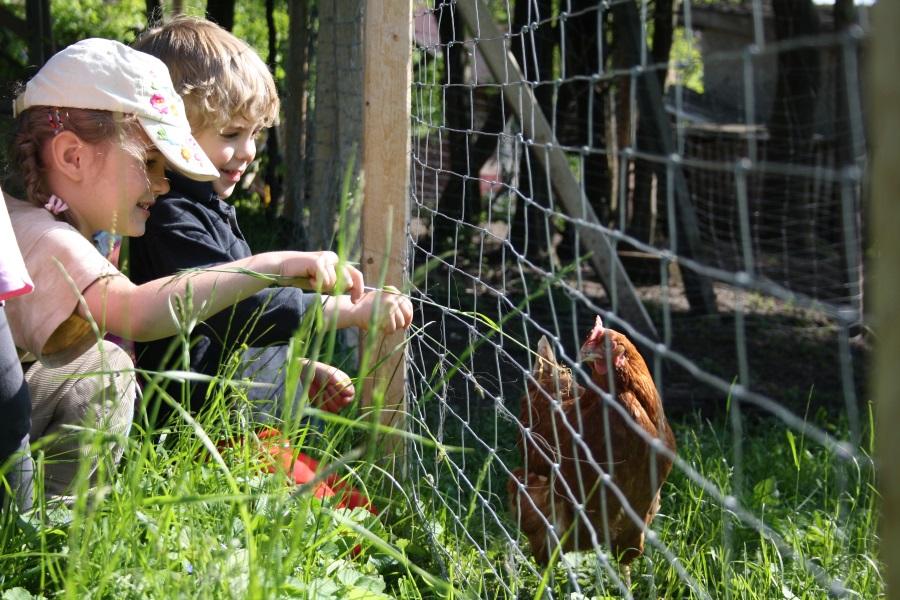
[{"x": 694, "y": 174}]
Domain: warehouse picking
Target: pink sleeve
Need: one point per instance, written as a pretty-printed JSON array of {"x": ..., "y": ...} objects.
[{"x": 14, "y": 279}]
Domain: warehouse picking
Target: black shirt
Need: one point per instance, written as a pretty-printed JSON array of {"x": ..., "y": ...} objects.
[{"x": 191, "y": 227}]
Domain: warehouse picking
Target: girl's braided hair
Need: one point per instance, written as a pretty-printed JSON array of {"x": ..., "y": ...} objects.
[{"x": 37, "y": 125}]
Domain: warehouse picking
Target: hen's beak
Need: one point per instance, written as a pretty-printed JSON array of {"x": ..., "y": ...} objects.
[
  {"x": 593, "y": 348},
  {"x": 594, "y": 353},
  {"x": 591, "y": 351}
]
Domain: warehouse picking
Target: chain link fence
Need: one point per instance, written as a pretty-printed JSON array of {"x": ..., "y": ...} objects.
[{"x": 694, "y": 173}]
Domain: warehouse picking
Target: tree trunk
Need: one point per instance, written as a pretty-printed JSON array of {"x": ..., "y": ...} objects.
[
  {"x": 792, "y": 121},
  {"x": 40, "y": 41},
  {"x": 338, "y": 113},
  {"x": 849, "y": 151},
  {"x": 455, "y": 120},
  {"x": 602, "y": 163},
  {"x": 273, "y": 151},
  {"x": 844, "y": 17},
  {"x": 659, "y": 141},
  {"x": 784, "y": 227},
  {"x": 295, "y": 105},
  {"x": 471, "y": 141},
  {"x": 221, "y": 12},
  {"x": 641, "y": 224},
  {"x": 582, "y": 110},
  {"x": 533, "y": 47},
  {"x": 623, "y": 119},
  {"x": 625, "y": 56}
]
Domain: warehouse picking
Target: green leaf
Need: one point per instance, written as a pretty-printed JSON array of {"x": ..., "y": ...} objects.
[
  {"x": 18, "y": 594},
  {"x": 357, "y": 593},
  {"x": 793, "y": 443},
  {"x": 766, "y": 492},
  {"x": 324, "y": 589}
]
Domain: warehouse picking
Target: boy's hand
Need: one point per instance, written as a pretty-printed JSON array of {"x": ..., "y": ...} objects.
[
  {"x": 321, "y": 270},
  {"x": 329, "y": 388},
  {"x": 385, "y": 311}
]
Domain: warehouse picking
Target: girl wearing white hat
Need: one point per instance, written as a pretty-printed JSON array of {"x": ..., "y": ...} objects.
[{"x": 96, "y": 127}]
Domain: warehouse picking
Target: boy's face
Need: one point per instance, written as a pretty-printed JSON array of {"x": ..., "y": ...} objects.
[{"x": 231, "y": 149}]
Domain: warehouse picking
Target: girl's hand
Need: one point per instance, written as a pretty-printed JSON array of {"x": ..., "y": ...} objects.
[
  {"x": 323, "y": 270},
  {"x": 385, "y": 311}
]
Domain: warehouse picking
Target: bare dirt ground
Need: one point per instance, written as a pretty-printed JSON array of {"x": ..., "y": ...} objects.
[{"x": 796, "y": 356}]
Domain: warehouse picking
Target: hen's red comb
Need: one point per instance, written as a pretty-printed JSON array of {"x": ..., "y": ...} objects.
[{"x": 598, "y": 330}]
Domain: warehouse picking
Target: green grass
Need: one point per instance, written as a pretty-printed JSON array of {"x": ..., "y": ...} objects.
[
  {"x": 189, "y": 516},
  {"x": 821, "y": 509},
  {"x": 182, "y": 519}
]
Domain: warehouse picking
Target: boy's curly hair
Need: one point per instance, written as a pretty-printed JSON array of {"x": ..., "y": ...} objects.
[{"x": 219, "y": 77}]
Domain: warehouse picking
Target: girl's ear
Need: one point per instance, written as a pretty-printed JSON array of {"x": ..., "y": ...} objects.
[{"x": 68, "y": 155}]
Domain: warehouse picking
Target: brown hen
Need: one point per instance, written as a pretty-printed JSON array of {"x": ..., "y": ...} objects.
[{"x": 568, "y": 425}]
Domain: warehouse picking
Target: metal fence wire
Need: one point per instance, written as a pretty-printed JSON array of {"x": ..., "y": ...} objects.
[{"x": 693, "y": 173}]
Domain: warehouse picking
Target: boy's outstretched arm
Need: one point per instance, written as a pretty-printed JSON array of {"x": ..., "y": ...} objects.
[
  {"x": 385, "y": 311},
  {"x": 181, "y": 237}
]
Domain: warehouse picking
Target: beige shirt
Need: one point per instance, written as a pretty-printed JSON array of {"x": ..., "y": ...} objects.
[{"x": 62, "y": 263}]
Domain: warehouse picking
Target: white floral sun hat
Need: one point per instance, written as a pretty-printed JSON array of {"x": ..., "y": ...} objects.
[{"x": 104, "y": 74}]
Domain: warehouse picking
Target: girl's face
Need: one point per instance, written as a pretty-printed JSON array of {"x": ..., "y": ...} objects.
[
  {"x": 125, "y": 187},
  {"x": 231, "y": 149}
]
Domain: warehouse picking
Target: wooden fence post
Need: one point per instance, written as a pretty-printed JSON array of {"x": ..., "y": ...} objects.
[
  {"x": 387, "y": 73},
  {"x": 885, "y": 119}
]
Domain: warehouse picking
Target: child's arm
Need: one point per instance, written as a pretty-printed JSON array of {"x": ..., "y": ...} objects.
[
  {"x": 141, "y": 313},
  {"x": 183, "y": 234},
  {"x": 385, "y": 311}
]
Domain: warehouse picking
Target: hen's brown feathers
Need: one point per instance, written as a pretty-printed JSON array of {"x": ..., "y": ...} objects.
[
  {"x": 551, "y": 384},
  {"x": 566, "y": 424}
]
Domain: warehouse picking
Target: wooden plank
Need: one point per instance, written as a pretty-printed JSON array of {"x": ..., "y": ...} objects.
[
  {"x": 387, "y": 79},
  {"x": 492, "y": 44},
  {"x": 885, "y": 118}
]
